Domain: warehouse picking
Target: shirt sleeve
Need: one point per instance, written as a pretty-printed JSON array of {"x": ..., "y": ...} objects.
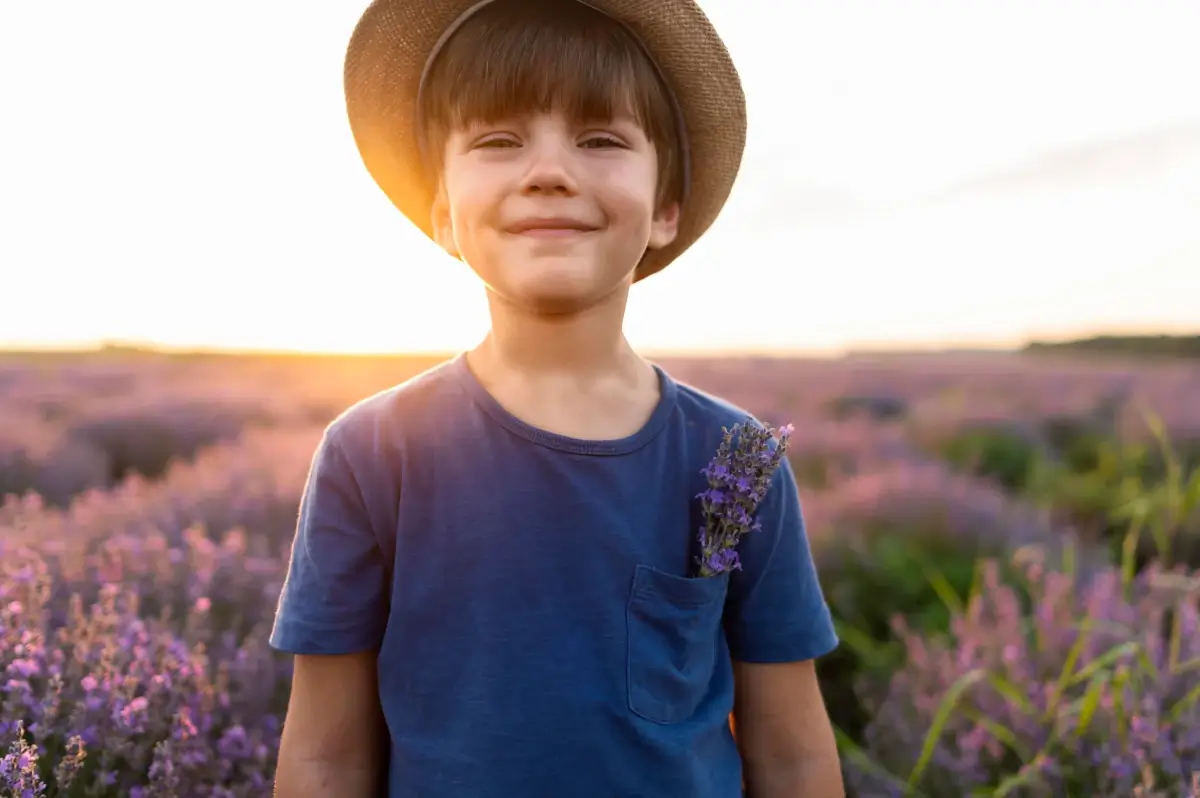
[
  {"x": 334, "y": 597},
  {"x": 775, "y": 610}
]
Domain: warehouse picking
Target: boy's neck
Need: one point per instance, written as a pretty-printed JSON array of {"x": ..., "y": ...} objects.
[{"x": 581, "y": 346}]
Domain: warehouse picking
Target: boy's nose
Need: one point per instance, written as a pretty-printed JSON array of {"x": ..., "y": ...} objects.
[{"x": 550, "y": 170}]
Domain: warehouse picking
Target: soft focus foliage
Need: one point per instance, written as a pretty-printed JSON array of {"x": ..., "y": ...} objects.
[
  {"x": 131, "y": 637},
  {"x": 1095, "y": 685},
  {"x": 99, "y": 700},
  {"x": 907, "y": 541},
  {"x": 147, "y": 504}
]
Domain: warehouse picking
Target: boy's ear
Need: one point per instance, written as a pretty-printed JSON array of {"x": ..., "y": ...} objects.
[
  {"x": 443, "y": 230},
  {"x": 665, "y": 226}
]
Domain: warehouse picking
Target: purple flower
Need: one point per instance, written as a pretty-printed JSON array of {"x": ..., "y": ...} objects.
[
  {"x": 19, "y": 768},
  {"x": 739, "y": 476},
  {"x": 1090, "y": 691}
]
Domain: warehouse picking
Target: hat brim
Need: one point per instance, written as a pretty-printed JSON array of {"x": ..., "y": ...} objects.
[{"x": 392, "y": 43}]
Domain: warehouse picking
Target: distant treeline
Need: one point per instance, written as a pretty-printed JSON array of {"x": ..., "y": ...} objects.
[{"x": 1154, "y": 345}]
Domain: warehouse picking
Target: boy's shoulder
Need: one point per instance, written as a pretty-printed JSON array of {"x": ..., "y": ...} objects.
[
  {"x": 703, "y": 408},
  {"x": 422, "y": 401}
]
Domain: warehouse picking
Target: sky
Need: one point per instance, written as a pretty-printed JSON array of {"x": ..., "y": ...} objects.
[{"x": 916, "y": 174}]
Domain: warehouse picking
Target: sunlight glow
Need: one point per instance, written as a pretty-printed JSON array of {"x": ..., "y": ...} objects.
[{"x": 906, "y": 181}]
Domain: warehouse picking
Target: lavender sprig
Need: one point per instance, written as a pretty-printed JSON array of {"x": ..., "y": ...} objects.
[
  {"x": 19, "y": 768},
  {"x": 738, "y": 479}
]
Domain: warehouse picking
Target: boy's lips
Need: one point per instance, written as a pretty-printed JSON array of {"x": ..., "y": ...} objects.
[{"x": 550, "y": 226}]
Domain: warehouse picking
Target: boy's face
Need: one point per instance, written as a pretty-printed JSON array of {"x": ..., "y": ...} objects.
[{"x": 551, "y": 213}]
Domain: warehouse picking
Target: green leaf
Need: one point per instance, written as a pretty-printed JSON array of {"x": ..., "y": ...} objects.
[
  {"x": 945, "y": 591},
  {"x": 1065, "y": 677},
  {"x": 976, "y": 588},
  {"x": 872, "y": 652},
  {"x": 1191, "y": 665},
  {"x": 1137, "y": 508},
  {"x": 1191, "y": 493},
  {"x": 1118, "y": 683},
  {"x": 1001, "y": 733},
  {"x": 1068, "y": 553},
  {"x": 1089, "y": 702},
  {"x": 1022, "y": 778},
  {"x": 1129, "y": 559},
  {"x": 1148, "y": 666},
  {"x": 1106, "y": 659},
  {"x": 1011, "y": 692},
  {"x": 1183, "y": 704},
  {"x": 940, "y": 719},
  {"x": 852, "y": 753}
]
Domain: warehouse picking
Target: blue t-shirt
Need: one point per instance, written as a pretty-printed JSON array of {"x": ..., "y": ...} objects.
[{"x": 531, "y": 595}]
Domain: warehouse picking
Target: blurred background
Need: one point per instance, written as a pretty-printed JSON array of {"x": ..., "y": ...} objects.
[{"x": 979, "y": 223}]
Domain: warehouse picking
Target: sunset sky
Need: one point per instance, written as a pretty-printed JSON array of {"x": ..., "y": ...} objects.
[{"x": 945, "y": 173}]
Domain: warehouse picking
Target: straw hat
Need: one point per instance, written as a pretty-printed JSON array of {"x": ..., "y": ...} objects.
[{"x": 395, "y": 40}]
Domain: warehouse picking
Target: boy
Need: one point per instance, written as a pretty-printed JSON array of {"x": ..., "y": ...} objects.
[{"x": 492, "y": 591}]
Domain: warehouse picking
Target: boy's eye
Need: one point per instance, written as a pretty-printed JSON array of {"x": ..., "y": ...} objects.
[
  {"x": 497, "y": 143},
  {"x": 601, "y": 141}
]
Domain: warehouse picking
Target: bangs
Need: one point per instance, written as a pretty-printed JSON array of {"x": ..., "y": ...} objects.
[{"x": 515, "y": 58}]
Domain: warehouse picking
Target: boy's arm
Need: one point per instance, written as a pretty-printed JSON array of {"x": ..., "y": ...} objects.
[
  {"x": 777, "y": 623},
  {"x": 783, "y": 732},
  {"x": 333, "y": 740},
  {"x": 331, "y": 615}
]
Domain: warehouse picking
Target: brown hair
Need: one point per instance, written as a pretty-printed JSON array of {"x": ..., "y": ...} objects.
[{"x": 540, "y": 55}]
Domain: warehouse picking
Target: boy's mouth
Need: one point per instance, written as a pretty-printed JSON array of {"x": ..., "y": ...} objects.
[{"x": 550, "y": 227}]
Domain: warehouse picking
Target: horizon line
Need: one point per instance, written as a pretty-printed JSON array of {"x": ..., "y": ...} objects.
[{"x": 865, "y": 348}]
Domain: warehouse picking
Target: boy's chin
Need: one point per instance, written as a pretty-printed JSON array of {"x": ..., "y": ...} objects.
[{"x": 555, "y": 288}]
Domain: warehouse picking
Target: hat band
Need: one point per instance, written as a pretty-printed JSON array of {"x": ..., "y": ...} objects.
[{"x": 685, "y": 165}]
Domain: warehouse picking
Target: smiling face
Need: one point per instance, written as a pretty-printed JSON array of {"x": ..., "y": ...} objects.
[
  {"x": 550, "y": 211},
  {"x": 556, "y": 161}
]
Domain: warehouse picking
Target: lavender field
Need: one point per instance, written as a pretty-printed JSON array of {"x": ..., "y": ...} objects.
[{"x": 1007, "y": 543}]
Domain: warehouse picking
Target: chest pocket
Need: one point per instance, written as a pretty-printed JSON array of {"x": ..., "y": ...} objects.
[{"x": 673, "y": 626}]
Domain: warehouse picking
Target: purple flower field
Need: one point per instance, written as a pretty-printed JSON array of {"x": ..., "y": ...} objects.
[{"x": 1010, "y": 558}]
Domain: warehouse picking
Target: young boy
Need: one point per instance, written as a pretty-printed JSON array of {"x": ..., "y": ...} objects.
[{"x": 492, "y": 591}]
